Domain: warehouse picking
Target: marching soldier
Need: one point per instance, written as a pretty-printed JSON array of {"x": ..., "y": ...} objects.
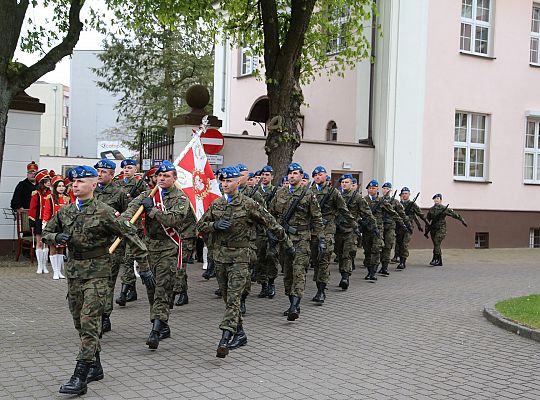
[
  {"x": 403, "y": 236},
  {"x": 331, "y": 204},
  {"x": 114, "y": 196},
  {"x": 298, "y": 211},
  {"x": 346, "y": 235},
  {"x": 231, "y": 219},
  {"x": 188, "y": 233},
  {"x": 437, "y": 227},
  {"x": 88, "y": 227},
  {"x": 164, "y": 215}
]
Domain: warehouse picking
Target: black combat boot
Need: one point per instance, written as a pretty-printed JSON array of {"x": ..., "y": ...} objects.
[
  {"x": 394, "y": 259},
  {"x": 344, "y": 282},
  {"x": 368, "y": 275},
  {"x": 218, "y": 293},
  {"x": 105, "y": 323},
  {"x": 384, "y": 270},
  {"x": 96, "y": 370},
  {"x": 294, "y": 310},
  {"x": 264, "y": 291},
  {"x": 223, "y": 348},
  {"x": 401, "y": 264},
  {"x": 372, "y": 273},
  {"x": 271, "y": 289},
  {"x": 77, "y": 382},
  {"x": 253, "y": 275},
  {"x": 182, "y": 298},
  {"x": 320, "y": 296},
  {"x": 132, "y": 294},
  {"x": 210, "y": 271},
  {"x": 165, "y": 331},
  {"x": 121, "y": 299},
  {"x": 432, "y": 262},
  {"x": 438, "y": 261},
  {"x": 239, "y": 338},
  {"x": 153, "y": 340},
  {"x": 243, "y": 303},
  {"x": 286, "y": 312}
]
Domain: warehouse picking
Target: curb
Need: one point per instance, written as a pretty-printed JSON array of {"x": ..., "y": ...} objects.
[{"x": 497, "y": 319}]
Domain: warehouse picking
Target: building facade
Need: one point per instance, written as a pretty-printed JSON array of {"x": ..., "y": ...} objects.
[{"x": 450, "y": 106}]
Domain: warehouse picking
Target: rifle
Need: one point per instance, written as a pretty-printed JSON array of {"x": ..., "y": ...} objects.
[
  {"x": 437, "y": 218},
  {"x": 290, "y": 212},
  {"x": 254, "y": 190},
  {"x": 409, "y": 206},
  {"x": 271, "y": 197},
  {"x": 339, "y": 217},
  {"x": 135, "y": 188},
  {"x": 324, "y": 200}
]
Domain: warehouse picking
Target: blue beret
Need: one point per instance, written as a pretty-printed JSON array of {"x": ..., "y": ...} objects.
[
  {"x": 437, "y": 195},
  {"x": 294, "y": 167},
  {"x": 82, "y": 171},
  {"x": 251, "y": 175},
  {"x": 306, "y": 176},
  {"x": 128, "y": 161},
  {"x": 354, "y": 180},
  {"x": 345, "y": 176},
  {"x": 166, "y": 166},
  {"x": 107, "y": 164},
  {"x": 405, "y": 189},
  {"x": 373, "y": 183},
  {"x": 267, "y": 168},
  {"x": 258, "y": 172},
  {"x": 284, "y": 179},
  {"x": 242, "y": 167},
  {"x": 318, "y": 169},
  {"x": 387, "y": 185},
  {"x": 229, "y": 172}
]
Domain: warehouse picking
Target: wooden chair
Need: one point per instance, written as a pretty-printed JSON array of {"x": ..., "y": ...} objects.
[{"x": 24, "y": 235}]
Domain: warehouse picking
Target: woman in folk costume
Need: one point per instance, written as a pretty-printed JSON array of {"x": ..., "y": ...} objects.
[
  {"x": 56, "y": 200},
  {"x": 35, "y": 214}
]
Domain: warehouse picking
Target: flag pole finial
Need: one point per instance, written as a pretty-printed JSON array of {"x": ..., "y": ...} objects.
[{"x": 202, "y": 127}]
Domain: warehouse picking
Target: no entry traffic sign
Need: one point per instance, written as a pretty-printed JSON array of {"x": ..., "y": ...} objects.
[{"x": 212, "y": 141}]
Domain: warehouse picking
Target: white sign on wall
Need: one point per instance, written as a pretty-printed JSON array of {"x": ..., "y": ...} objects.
[{"x": 114, "y": 150}]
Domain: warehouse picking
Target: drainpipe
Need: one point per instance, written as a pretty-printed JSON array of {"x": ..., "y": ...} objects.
[{"x": 369, "y": 139}]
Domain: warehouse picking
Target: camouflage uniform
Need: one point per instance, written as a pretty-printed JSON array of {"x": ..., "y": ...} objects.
[
  {"x": 230, "y": 253},
  {"x": 390, "y": 220},
  {"x": 267, "y": 258},
  {"x": 188, "y": 234},
  {"x": 307, "y": 220},
  {"x": 333, "y": 206},
  {"x": 88, "y": 269},
  {"x": 438, "y": 228},
  {"x": 162, "y": 251},
  {"x": 113, "y": 195},
  {"x": 403, "y": 236}
]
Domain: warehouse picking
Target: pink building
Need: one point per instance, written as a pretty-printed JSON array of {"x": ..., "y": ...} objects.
[{"x": 450, "y": 105}]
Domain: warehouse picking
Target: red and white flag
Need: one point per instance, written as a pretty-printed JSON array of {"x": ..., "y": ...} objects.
[{"x": 196, "y": 177}]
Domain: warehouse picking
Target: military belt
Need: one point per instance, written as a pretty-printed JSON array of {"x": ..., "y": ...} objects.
[
  {"x": 91, "y": 254},
  {"x": 235, "y": 244}
]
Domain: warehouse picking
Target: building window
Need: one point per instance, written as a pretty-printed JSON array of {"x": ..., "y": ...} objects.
[
  {"x": 534, "y": 238},
  {"x": 331, "y": 131},
  {"x": 248, "y": 62},
  {"x": 337, "y": 40},
  {"x": 481, "y": 240},
  {"x": 531, "y": 167},
  {"x": 535, "y": 35},
  {"x": 476, "y": 26},
  {"x": 470, "y": 146}
]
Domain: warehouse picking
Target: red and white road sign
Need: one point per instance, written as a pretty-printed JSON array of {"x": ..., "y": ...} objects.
[{"x": 212, "y": 141}]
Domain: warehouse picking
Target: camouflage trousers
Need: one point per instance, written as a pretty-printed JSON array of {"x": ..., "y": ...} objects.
[
  {"x": 344, "y": 248},
  {"x": 389, "y": 238},
  {"x": 403, "y": 237},
  {"x": 128, "y": 275},
  {"x": 321, "y": 267},
  {"x": 267, "y": 261},
  {"x": 232, "y": 279},
  {"x": 163, "y": 263},
  {"x": 294, "y": 269},
  {"x": 86, "y": 298},
  {"x": 117, "y": 259},
  {"x": 437, "y": 237},
  {"x": 180, "y": 281},
  {"x": 372, "y": 249}
]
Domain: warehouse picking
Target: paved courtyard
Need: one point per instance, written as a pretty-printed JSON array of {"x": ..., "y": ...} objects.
[{"x": 418, "y": 334}]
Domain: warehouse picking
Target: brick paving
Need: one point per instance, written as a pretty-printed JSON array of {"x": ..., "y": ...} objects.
[{"x": 418, "y": 334}]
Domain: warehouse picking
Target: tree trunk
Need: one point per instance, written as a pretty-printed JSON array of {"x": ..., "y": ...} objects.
[{"x": 5, "y": 100}]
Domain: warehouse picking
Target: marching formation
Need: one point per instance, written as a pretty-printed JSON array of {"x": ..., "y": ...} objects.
[{"x": 250, "y": 233}]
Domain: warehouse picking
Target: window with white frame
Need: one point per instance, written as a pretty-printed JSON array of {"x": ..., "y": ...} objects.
[
  {"x": 476, "y": 26},
  {"x": 531, "y": 165},
  {"x": 337, "y": 38},
  {"x": 248, "y": 62},
  {"x": 470, "y": 146},
  {"x": 535, "y": 35}
]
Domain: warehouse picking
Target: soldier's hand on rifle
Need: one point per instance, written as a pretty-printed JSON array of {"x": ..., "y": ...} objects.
[
  {"x": 148, "y": 279},
  {"x": 322, "y": 247},
  {"x": 148, "y": 204},
  {"x": 222, "y": 225},
  {"x": 62, "y": 238}
]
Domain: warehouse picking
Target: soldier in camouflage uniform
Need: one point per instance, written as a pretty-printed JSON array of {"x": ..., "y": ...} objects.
[
  {"x": 332, "y": 205},
  {"x": 437, "y": 226},
  {"x": 189, "y": 238},
  {"x": 89, "y": 227},
  {"x": 390, "y": 221},
  {"x": 267, "y": 259},
  {"x": 371, "y": 236},
  {"x": 346, "y": 236},
  {"x": 231, "y": 220},
  {"x": 134, "y": 185},
  {"x": 403, "y": 236},
  {"x": 165, "y": 211},
  {"x": 298, "y": 211},
  {"x": 358, "y": 239},
  {"x": 113, "y": 195}
]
